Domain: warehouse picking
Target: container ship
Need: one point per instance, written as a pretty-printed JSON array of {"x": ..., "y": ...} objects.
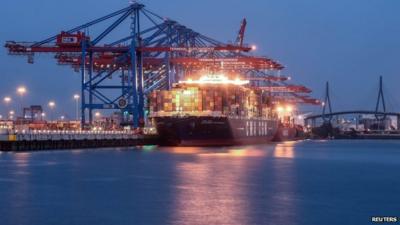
[{"x": 213, "y": 111}]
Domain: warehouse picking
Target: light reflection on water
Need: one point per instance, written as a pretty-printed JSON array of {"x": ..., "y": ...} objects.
[
  {"x": 21, "y": 189},
  {"x": 217, "y": 185},
  {"x": 285, "y": 150},
  {"x": 280, "y": 150},
  {"x": 210, "y": 193},
  {"x": 287, "y": 183},
  {"x": 22, "y": 159}
]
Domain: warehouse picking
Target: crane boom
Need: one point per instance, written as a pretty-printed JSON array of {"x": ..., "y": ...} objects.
[{"x": 240, "y": 37}]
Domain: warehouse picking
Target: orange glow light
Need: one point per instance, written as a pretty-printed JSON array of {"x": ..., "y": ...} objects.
[{"x": 215, "y": 79}]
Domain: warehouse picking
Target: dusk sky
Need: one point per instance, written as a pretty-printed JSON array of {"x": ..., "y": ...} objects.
[{"x": 349, "y": 43}]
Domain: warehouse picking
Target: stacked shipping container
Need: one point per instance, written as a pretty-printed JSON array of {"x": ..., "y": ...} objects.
[{"x": 227, "y": 100}]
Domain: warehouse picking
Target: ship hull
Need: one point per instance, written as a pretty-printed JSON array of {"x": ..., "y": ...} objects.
[
  {"x": 288, "y": 134},
  {"x": 214, "y": 131}
]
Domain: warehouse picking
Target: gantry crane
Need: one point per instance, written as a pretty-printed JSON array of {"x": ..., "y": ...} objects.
[{"x": 116, "y": 73}]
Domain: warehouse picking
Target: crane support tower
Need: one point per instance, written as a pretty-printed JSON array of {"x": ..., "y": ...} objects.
[{"x": 154, "y": 53}]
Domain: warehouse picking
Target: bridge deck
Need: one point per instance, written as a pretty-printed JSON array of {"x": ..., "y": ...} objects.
[{"x": 352, "y": 112}]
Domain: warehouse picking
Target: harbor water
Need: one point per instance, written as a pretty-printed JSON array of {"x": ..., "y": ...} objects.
[{"x": 304, "y": 183}]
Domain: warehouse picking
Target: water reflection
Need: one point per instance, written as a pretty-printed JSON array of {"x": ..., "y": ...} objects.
[
  {"x": 211, "y": 189},
  {"x": 237, "y": 153},
  {"x": 219, "y": 152},
  {"x": 278, "y": 189},
  {"x": 242, "y": 185},
  {"x": 280, "y": 150},
  {"x": 182, "y": 150},
  {"x": 22, "y": 159},
  {"x": 20, "y": 191},
  {"x": 285, "y": 150},
  {"x": 286, "y": 183}
]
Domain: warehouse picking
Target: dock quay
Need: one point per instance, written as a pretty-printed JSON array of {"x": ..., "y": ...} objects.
[
  {"x": 51, "y": 140},
  {"x": 377, "y": 135}
]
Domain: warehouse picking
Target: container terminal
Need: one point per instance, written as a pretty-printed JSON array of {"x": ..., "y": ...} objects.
[{"x": 146, "y": 78}]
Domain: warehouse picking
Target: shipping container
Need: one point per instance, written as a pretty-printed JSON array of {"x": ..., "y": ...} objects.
[{"x": 227, "y": 100}]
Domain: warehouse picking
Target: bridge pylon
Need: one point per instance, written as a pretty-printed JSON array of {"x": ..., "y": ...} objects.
[
  {"x": 381, "y": 98},
  {"x": 326, "y": 105}
]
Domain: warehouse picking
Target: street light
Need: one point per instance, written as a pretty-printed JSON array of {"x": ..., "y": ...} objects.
[
  {"x": 76, "y": 98},
  {"x": 11, "y": 114},
  {"x": 52, "y": 105},
  {"x": 21, "y": 91},
  {"x": 97, "y": 115},
  {"x": 43, "y": 115},
  {"x": 7, "y": 100}
]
